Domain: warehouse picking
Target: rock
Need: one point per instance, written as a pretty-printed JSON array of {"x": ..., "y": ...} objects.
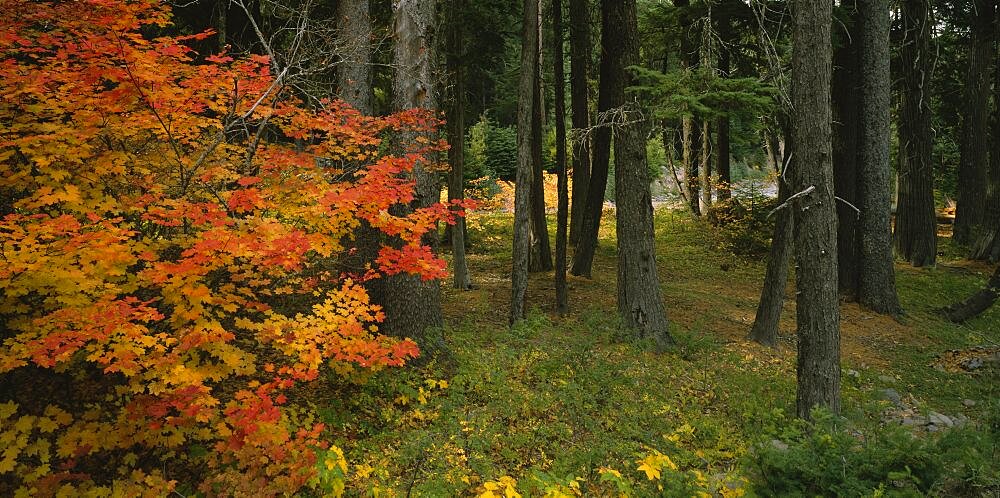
[
  {"x": 913, "y": 421},
  {"x": 891, "y": 395},
  {"x": 960, "y": 420},
  {"x": 972, "y": 364},
  {"x": 852, "y": 373},
  {"x": 969, "y": 403},
  {"x": 779, "y": 445},
  {"x": 940, "y": 419},
  {"x": 885, "y": 379}
]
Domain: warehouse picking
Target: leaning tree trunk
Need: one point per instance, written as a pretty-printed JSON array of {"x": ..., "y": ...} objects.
[
  {"x": 817, "y": 311},
  {"x": 609, "y": 97},
  {"x": 355, "y": 42},
  {"x": 456, "y": 137},
  {"x": 540, "y": 257},
  {"x": 915, "y": 232},
  {"x": 522, "y": 186},
  {"x": 846, "y": 143},
  {"x": 413, "y": 305},
  {"x": 973, "y": 165},
  {"x": 639, "y": 300},
  {"x": 772, "y": 294},
  {"x": 579, "y": 49},
  {"x": 976, "y": 304},
  {"x": 877, "y": 278},
  {"x": 562, "y": 210}
]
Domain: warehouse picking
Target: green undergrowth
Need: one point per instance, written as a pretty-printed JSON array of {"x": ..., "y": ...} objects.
[{"x": 575, "y": 406}]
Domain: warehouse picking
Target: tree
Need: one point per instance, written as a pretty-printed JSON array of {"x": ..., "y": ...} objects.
[
  {"x": 609, "y": 100},
  {"x": 580, "y": 49},
  {"x": 525, "y": 162},
  {"x": 355, "y": 40},
  {"x": 877, "y": 281},
  {"x": 977, "y": 303},
  {"x": 150, "y": 244},
  {"x": 812, "y": 204},
  {"x": 915, "y": 232},
  {"x": 562, "y": 210},
  {"x": 413, "y": 305},
  {"x": 974, "y": 165},
  {"x": 639, "y": 300},
  {"x": 540, "y": 258},
  {"x": 456, "y": 138},
  {"x": 987, "y": 245},
  {"x": 847, "y": 144}
]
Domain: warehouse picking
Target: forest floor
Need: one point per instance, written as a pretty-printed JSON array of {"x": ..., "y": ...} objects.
[{"x": 574, "y": 404}]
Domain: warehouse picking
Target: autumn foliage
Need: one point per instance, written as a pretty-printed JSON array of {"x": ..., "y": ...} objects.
[{"x": 176, "y": 233}]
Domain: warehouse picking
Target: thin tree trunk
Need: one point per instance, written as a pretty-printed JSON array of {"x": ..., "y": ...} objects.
[
  {"x": 705, "y": 169},
  {"x": 722, "y": 153},
  {"x": 817, "y": 311},
  {"x": 579, "y": 49},
  {"x": 540, "y": 258},
  {"x": 846, "y": 144},
  {"x": 690, "y": 157},
  {"x": 562, "y": 210},
  {"x": 639, "y": 300},
  {"x": 915, "y": 232},
  {"x": 413, "y": 305},
  {"x": 772, "y": 294},
  {"x": 976, "y": 304},
  {"x": 877, "y": 278},
  {"x": 355, "y": 42},
  {"x": 609, "y": 97},
  {"x": 522, "y": 188},
  {"x": 974, "y": 162},
  {"x": 456, "y": 137}
]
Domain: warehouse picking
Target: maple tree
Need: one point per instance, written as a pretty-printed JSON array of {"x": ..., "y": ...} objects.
[{"x": 179, "y": 223}]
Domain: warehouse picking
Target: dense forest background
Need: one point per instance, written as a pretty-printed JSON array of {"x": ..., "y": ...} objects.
[{"x": 499, "y": 248}]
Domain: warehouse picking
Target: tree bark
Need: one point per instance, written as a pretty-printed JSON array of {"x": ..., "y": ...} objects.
[
  {"x": 690, "y": 156},
  {"x": 609, "y": 97},
  {"x": 915, "y": 232},
  {"x": 562, "y": 210},
  {"x": 974, "y": 161},
  {"x": 722, "y": 153},
  {"x": 772, "y": 296},
  {"x": 579, "y": 49},
  {"x": 817, "y": 311},
  {"x": 355, "y": 41},
  {"x": 522, "y": 186},
  {"x": 846, "y": 145},
  {"x": 976, "y": 304},
  {"x": 413, "y": 305},
  {"x": 877, "y": 277},
  {"x": 639, "y": 300},
  {"x": 705, "y": 169},
  {"x": 456, "y": 137},
  {"x": 540, "y": 258},
  {"x": 987, "y": 244}
]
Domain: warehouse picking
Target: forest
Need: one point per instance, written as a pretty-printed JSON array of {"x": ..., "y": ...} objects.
[{"x": 499, "y": 248}]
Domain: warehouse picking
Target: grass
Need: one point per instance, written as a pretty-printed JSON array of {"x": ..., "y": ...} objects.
[{"x": 558, "y": 403}]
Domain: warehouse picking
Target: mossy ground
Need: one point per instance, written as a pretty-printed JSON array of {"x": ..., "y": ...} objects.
[{"x": 557, "y": 400}]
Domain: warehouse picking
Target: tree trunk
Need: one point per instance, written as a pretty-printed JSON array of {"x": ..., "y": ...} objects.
[
  {"x": 413, "y": 305},
  {"x": 639, "y": 301},
  {"x": 579, "y": 50},
  {"x": 705, "y": 169},
  {"x": 817, "y": 311},
  {"x": 722, "y": 153},
  {"x": 355, "y": 42},
  {"x": 973, "y": 165},
  {"x": 846, "y": 144},
  {"x": 976, "y": 304},
  {"x": 609, "y": 97},
  {"x": 772, "y": 295},
  {"x": 916, "y": 225},
  {"x": 877, "y": 278},
  {"x": 987, "y": 244},
  {"x": 522, "y": 186},
  {"x": 456, "y": 137},
  {"x": 690, "y": 155},
  {"x": 562, "y": 210},
  {"x": 540, "y": 258}
]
